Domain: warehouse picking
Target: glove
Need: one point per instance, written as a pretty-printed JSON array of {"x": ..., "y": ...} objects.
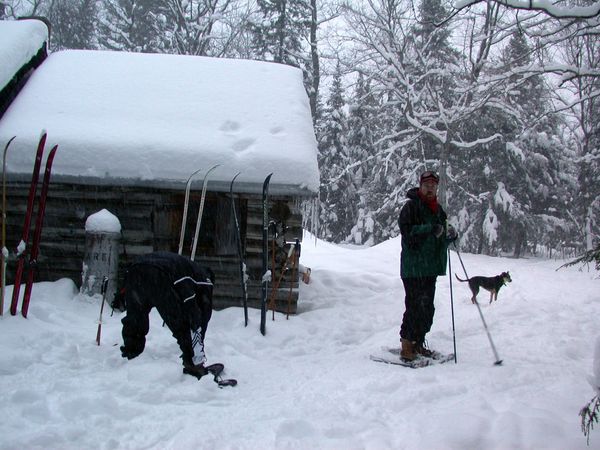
[
  {"x": 451, "y": 234},
  {"x": 437, "y": 230},
  {"x": 197, "y": 370},
  {"x": 129, "y": 353}
]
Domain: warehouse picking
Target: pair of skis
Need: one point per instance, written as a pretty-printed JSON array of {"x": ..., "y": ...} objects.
[
  {"x": 242, "y": 266},
  {"x": 186, "y": 201},
  {"x": 214, "y": 369},
  {"x": 39, "y": 223}
]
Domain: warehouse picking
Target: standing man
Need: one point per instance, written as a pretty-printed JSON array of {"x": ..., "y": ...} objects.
[
  {"x": 181, "y": 290},
  {"x": 425, "y": 240}
]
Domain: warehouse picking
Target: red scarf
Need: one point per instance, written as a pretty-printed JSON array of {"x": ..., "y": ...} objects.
[{"x": 431, "y": 204}]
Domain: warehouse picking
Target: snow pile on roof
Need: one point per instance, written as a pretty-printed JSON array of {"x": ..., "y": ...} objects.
[
  {"x": 157, "y": 118},
  {"x": 20, "y": 41}
]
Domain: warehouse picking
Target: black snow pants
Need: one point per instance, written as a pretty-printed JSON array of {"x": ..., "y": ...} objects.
[
  {"x": 419, "y": 308},
  {"x": 147, "y": 287}
]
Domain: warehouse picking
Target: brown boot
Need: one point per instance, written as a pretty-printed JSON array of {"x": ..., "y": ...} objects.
[
  {"x": 420, "y": 349},
  {"x": 408, "y": 350}
]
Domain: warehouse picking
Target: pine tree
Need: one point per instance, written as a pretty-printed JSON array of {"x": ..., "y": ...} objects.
[
  {"x": 542, "y": 182},
  {"x": 73, "y": 24},
  {"x": 362, "y": 154},
  {"x": 129, "y": 25},
  {"x": 285, "y": 31},
  {"x": 279, "y": 31},
  {"x": 338, "y": 193}
]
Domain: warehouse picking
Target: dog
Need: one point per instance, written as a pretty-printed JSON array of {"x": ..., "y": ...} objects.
[{"x": 492, "y": 284}]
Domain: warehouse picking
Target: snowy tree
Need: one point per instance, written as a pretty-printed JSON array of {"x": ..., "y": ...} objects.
[
  {"x": 285, "y": 31},
  {"x": 421, "y": 81},
  {"x": 73, "y": 24},
  {"x": 338, "y": 194},
  {"x": 196, "y": 27},
  {"x": 583, "y": 51},
  {"x": 362, "y": 119},
  {"x": 128, "y": 25}
]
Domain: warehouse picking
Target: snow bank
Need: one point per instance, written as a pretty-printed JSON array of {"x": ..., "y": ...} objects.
[{"x": 309, "y": 383}]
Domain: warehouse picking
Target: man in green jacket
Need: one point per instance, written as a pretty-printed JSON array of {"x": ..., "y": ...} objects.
[{"x": 425, "y": 240}]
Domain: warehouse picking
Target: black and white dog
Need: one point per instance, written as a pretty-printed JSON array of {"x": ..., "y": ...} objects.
[{"x": 492, "y": 284}]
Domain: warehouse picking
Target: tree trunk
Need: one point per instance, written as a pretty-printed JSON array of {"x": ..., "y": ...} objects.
[{"x": 443, "y": 189}]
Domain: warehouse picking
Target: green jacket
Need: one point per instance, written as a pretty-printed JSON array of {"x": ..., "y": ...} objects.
[{"x": 423, "y": 255}]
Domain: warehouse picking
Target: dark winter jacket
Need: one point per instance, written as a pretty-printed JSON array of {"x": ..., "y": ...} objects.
[
  {"x": 423, "y": 255},
  {"x": 180, "y": 289},
  {"x": 187, "y": 276}
]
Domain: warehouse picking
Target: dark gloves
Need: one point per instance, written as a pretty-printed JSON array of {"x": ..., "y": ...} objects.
[
  {"x": 437, "y": 230},
  {"x": 197, "y": 370},
  {"x": 129, "y": 353},
  {"x": 451, "y": 234}
]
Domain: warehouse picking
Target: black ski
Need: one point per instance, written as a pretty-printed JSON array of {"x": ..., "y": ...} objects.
[
  {"x": 265, "y": 275},
  {"x": 215, "y": 370},
  {"x": 242, "y": 264}
]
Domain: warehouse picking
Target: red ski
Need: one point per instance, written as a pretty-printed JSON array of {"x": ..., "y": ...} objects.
[
  {"x": 21, "y": 248},
  {"x": 37, "y": 235},
  {"x": 4, "y": 250}
]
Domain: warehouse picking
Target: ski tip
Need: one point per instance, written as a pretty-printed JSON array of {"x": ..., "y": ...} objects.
[{"x": 8, "y": 143}]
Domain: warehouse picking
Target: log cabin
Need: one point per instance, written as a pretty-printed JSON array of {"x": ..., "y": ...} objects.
[{"x": 131, "y": 128}]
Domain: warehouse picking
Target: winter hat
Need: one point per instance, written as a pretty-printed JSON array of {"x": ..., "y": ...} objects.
[{"x": 429, "y": 176}]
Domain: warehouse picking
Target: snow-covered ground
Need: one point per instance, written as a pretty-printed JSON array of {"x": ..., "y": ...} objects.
[{"x": 309, "y": 383}]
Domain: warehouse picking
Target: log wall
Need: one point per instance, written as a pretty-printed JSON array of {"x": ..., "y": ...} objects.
[{"x": 151, "y": 220}]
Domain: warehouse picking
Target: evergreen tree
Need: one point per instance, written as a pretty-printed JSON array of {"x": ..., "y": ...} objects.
[
  {"x": 362, "y": 155},
  {"x": 73, "y": 24},
  {"x": 338, "y": 193},
  {"x": 129, "y": 25},
  {"x": 542, "y": 183},
  {"x": 279, "y": 31},
  {"x": 285, "y": 31}
]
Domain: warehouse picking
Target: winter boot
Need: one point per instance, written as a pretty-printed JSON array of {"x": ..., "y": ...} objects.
[
  {"x": 408, "y": 350},
  {"x": 421, "y": 350}
]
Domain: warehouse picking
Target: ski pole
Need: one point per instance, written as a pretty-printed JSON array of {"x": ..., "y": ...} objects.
[
  {"x": 294, "y": 276},
  {"x": 498, "y": 360},
  {"x": 452, "y": 305},
  {"x": 103, "y": 290},
  {"x": 282, "y": 271}
]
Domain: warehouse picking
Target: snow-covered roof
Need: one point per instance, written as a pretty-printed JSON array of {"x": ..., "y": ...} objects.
[
  {"x": 151, "y": 119},
  {"x": 20, "y": 40}
]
